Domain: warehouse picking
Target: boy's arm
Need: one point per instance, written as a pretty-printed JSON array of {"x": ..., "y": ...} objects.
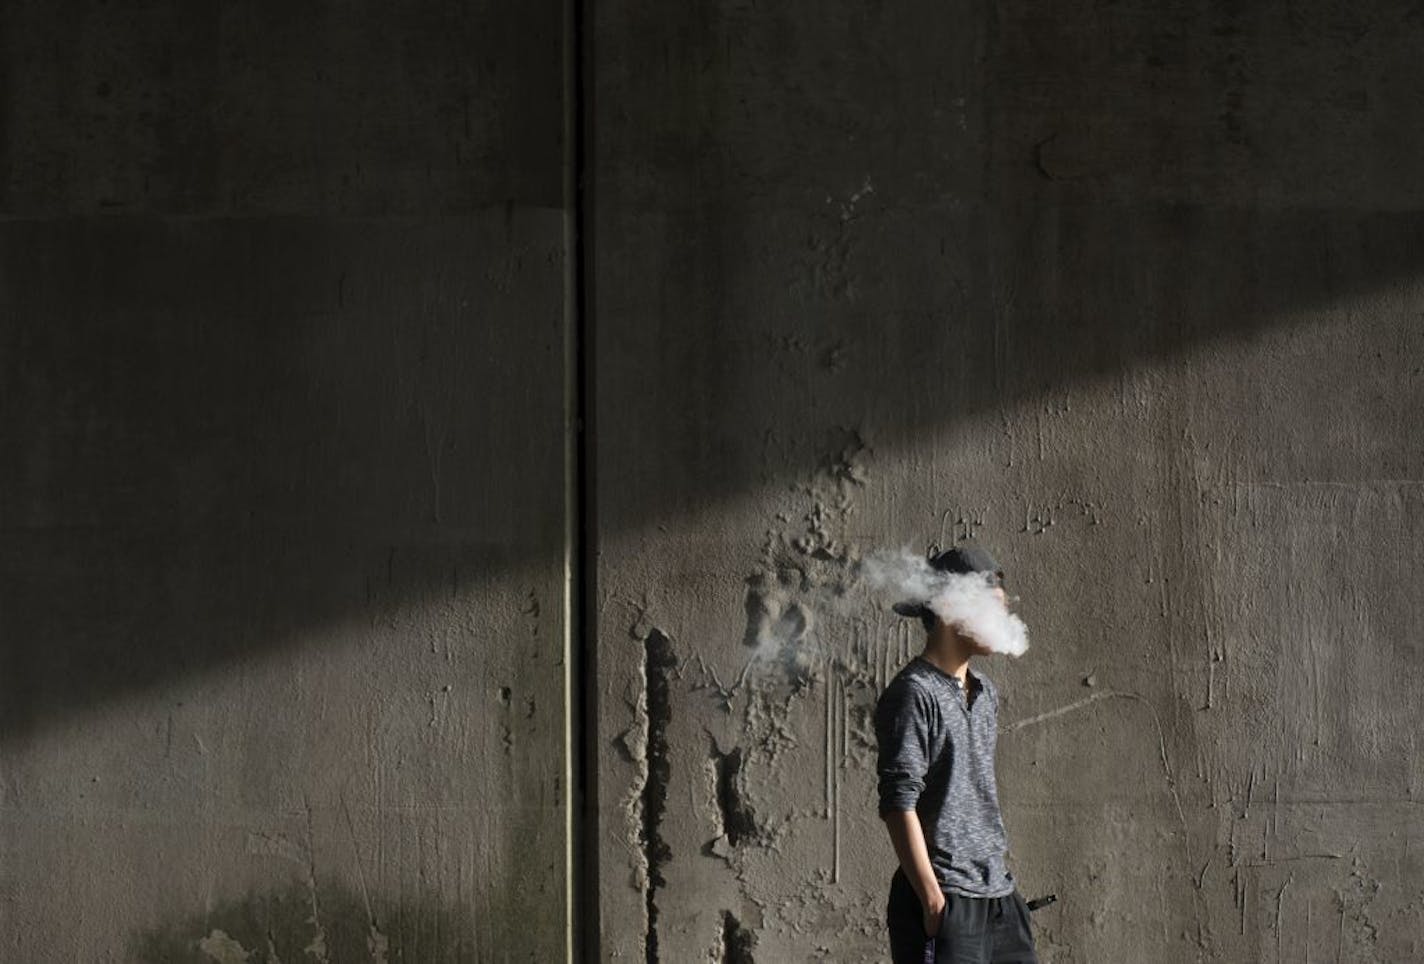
[
  {"x": 902, "y": 737},
  {"x": 908, "y": 838}
]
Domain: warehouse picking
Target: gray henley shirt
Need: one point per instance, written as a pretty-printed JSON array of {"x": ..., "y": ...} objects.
[{"x": 936, "y": 757}]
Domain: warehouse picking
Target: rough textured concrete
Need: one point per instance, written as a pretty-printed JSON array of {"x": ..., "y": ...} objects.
[
  {"x": 282, "y": 321},
  {"x": 1129, "y": 291}
]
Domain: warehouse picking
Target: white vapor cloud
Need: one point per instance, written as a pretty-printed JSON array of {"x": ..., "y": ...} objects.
[{"x": 965, "y": 601}]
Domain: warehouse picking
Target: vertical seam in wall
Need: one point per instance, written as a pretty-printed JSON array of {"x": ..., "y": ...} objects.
[
  {"x": 580, "y": 573},
  {"x": 571, "y": 795}
]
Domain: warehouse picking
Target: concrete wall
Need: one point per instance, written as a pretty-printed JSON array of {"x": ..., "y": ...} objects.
[
  {"x": 1130, "y": 292},
  {"x": 282, "y": 495}
]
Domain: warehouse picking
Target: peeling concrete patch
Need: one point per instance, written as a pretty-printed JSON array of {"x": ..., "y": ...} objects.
[
  {"x": 738, "y": 821},
  {"x": 780, "y": 628},
  {"x": 317, "y": 948},
  {"x": 632, "y": 744},
  {"x": 832, "y": 493}
]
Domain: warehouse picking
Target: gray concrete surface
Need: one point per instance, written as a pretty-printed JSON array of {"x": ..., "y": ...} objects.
[
  {"x": 281, "y": 500},
  {"x": 1130, "y": 292}
]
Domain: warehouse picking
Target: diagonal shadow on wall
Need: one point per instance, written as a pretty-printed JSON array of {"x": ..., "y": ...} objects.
[{"x": 225, "y": 434}]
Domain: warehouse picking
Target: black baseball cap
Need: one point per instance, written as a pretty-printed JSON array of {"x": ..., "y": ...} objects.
[{"x": 960, "y": 559}]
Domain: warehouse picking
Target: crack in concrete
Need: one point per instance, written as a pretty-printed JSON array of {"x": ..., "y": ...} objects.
[
  {"x": 318, "y": 946},
  {"x": 658, "y": 666},
  {"x": 737, "y": 941}
]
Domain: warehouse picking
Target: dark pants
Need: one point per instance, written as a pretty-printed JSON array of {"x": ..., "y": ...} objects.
[{"x": 973, "y": 930}]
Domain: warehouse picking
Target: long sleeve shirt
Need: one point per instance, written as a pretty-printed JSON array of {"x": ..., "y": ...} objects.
[{"x": 936, "y": 757}]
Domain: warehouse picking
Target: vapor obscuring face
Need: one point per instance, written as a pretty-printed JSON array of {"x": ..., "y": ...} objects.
[{"x": 966, "y": 601}]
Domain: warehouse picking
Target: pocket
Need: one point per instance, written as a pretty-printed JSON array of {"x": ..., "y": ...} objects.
[{"x": 943, "y": 915}]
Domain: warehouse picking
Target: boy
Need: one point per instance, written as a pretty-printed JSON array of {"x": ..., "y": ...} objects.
[{"x": 952, "y": 899}]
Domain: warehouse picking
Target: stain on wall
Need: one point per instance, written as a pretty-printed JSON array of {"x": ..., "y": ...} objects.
[{"x": 323, "y": 923}]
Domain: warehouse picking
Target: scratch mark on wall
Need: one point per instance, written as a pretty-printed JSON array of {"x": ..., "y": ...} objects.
[
  {"x": 838, "y": 745},
  {"x": 1308, "y": 940},
  {"x": 376, "y": 942},
  {"x": 1240, "y": 882},
  {"x": 830, "y": 737},
  {"x": 433, "y": 446},
  {"x": 317, "y": 948},
  {"x": 1060, "y": 711},
  {"x": 1280, "y": 916},
  {"x": 1274, "y": 827}
]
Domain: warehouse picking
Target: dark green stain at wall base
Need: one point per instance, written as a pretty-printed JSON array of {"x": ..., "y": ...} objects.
[{"x": 328, "y": 924}]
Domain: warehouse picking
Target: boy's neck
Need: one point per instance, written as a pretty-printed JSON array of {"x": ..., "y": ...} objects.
[{"x": 949, "y": 652}]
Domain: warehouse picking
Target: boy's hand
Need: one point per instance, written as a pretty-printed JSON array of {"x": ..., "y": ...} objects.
[{"x": 934, "y": 912}]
